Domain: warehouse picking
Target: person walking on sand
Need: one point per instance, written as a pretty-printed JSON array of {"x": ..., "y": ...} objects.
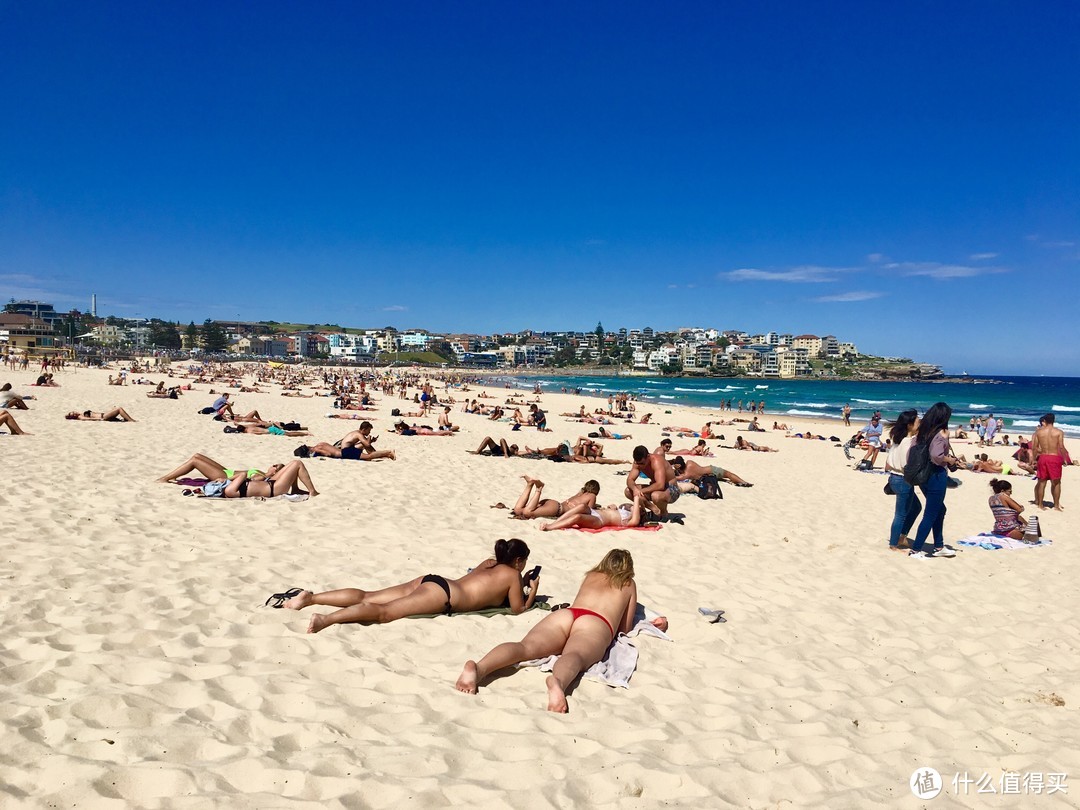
[
  {"x": 908, "y": 506},
  {"x": 1048, "y": 455},
  {"x": 931, "y": 447},
  {"x": 579, "y": 635}
]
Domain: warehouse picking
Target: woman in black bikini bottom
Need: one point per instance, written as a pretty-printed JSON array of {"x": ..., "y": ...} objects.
[{"x": 493, "y": 583}]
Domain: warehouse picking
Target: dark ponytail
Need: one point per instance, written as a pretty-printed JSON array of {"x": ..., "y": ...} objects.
[
  {"x": 506, "y": 551},
  {"x": 999, "y": 486}
]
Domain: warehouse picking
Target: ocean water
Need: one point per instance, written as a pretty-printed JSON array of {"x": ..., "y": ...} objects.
[{"x": 1020, "y": 401}]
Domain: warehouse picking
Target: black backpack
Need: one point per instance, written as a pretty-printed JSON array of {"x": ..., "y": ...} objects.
[
  {"x": 708, "y": 488},
  {"x": 919, "y": 466}
]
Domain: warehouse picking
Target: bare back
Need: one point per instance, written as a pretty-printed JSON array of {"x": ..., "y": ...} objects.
[
  {"x": 614, "y": 604},
  {"x": 1048, "y": 441},
  {"x": 488, "y": 585}
]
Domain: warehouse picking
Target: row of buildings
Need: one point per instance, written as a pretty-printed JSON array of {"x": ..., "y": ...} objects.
[{"x": 32, "y": 326}]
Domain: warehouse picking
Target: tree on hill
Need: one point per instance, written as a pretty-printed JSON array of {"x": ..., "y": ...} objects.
[
  {"x": 444, "y": 350},
  {"x": 163, "y": 335},
  {"x": 599, "y": 335},
  {"x": 215, "y": 341},
  {"x": 192, "y": 333}
]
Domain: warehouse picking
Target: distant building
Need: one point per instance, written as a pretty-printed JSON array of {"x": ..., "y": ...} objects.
[
  {"x": 36, "y": 309},
  {"x": 812, "y": 344},
  {"x": 25, "y": 334}
]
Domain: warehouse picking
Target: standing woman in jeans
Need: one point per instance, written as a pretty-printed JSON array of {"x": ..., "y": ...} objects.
[
  {"x": 934, "y": 433},
  {"x": 908, "y": 504}
]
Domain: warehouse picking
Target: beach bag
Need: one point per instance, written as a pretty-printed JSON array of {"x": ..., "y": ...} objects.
[
  {"x": 396, "y": 412},
  {"x": 214, "y": 489},
  {"x": 919, "y": 466},
  {"x": 207, "y": 410},
  {"x": 708, "y": 488}
]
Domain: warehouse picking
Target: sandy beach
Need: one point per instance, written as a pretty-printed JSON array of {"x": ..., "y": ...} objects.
[{"x": 141, "y": 669}]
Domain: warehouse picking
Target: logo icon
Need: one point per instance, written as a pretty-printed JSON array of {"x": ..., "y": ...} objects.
[{"x": 925, "y": 783}]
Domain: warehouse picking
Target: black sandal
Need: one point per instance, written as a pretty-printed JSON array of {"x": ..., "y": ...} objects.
[{"x": 279, "y": 599}]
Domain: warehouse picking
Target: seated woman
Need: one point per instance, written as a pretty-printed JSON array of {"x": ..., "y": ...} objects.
[
  {"x": 115, "y": 415},
  {"x": 9, "y": 399},
  {"x": 606, "y": 600},
  {"x": 581, "y": 516},
  {"x": 8, "y": 421},
  {"x": 493, "y": 583},
  {"x": 743, "y": 444},
  {"x": 1007, "y": 520},
  {"x": 490, "y": 448},
  {"x": 530, "y": 505}
]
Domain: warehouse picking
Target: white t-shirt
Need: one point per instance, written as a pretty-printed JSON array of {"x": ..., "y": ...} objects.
[{"x": 897, "y": 457}]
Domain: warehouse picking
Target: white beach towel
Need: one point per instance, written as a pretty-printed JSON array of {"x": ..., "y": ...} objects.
[
  {"x": 993, "y": 542},
  {"x": 620, "y": 660}
]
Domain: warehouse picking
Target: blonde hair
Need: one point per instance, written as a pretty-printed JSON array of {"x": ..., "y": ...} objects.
[{"x": 618, "y": 566}]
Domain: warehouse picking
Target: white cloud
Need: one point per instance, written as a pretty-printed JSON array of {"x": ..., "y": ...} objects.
[
  {"x": 854, "y": 295},
  {"x": 980, "y": 257},
  {"x": 394, "y": 308},
  {"x": 1049, "y": 243},
  {"x": 875, "y": 258},
  {"x": 942, "y": 272},
  {"x": 807, "y": 274}
]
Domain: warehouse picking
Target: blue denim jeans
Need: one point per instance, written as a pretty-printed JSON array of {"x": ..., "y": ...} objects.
[
  {"x": 934, "y": 515},
  {"x": 908, "y": 507}
]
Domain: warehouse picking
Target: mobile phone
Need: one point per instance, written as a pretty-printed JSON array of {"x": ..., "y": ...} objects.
[{"x": 533, "y": 574}]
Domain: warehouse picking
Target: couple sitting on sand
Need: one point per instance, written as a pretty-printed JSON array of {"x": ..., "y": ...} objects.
[{"x": 606, "y": 601}]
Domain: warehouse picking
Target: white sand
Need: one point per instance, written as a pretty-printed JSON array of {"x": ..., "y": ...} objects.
[{"x": 139, "y": 668}]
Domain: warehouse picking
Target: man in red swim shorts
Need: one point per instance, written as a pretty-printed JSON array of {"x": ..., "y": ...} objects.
[{"x": 1048, "y": 451}]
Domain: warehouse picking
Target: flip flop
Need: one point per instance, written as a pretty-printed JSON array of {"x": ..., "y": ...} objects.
[
  {"x": 279, "y": 599},
  {"x": 713, "y": 615},
  {"x": 744, "y": 484}
]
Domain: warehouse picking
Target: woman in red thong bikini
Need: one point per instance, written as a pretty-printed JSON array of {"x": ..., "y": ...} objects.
[{"x": 606, "y": 602}]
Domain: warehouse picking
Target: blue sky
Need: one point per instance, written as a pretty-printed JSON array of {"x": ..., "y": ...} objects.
[{"x": 906, "y": 176}]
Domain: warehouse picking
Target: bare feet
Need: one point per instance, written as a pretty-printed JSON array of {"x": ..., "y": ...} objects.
[
  {"x": 300, "y": 601},
  {"x": 317, "y": 623},
  {"x": 544, "y": 527},
  {"x": 556, "y": 696},
  {"x": 466, "y": 681},
  {"x": 163, "y": 480},
  {"x": 536, "y": 482}
]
